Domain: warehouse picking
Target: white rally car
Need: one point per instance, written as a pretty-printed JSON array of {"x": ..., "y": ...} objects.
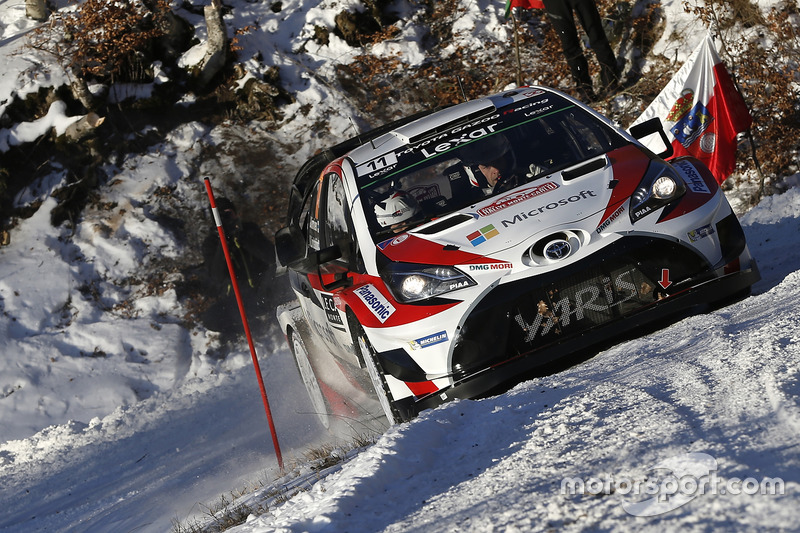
[{"x": 448, "y": 254}]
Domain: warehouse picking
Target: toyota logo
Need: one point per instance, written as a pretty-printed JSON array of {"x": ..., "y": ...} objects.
[{"x": 558, "y": 249}]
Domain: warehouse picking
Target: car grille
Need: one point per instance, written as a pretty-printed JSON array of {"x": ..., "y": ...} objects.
[{"x": 519, "y": 318}]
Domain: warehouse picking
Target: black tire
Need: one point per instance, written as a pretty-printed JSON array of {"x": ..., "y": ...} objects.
[
  {"x": 318, "y": 402},
  {"x": 367, "y": 353}
]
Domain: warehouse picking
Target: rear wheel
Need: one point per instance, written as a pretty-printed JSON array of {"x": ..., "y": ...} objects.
[
  {"x": 318, "y": 402},
  {"x": 367, "y": 353}
]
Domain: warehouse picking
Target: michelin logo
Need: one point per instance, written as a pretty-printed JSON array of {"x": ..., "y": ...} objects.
[
  {"x": 699, "y": 233},
  {"x": 430, "y": 340},
  {"x": 375, "y": 301}
]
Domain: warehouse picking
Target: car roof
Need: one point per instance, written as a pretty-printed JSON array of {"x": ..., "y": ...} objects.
[
  {"x": 308, "y": 174},
  {"x": 421, "y": 128}
]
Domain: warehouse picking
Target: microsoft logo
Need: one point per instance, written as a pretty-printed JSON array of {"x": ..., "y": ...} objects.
[{"x": 486, "y": 232}]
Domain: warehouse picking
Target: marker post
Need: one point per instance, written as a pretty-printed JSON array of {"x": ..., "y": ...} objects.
[{"x": 235, "y": 284}]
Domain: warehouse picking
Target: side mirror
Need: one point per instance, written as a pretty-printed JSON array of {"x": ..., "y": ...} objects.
[
  {"x": 329, "y": 254},
  {"x": 644, "y": 132},
  {"x": 290, "y": 245},
  {"x": 291, "y": 251}
]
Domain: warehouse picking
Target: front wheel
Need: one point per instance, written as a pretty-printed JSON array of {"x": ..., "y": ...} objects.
[
  {"x": 318, "y": 402},
  {"x": 367, "y": 353}
]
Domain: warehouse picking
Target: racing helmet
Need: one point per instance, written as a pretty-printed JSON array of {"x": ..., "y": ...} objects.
[
  {"x": 494, "y": 150},
  {"x": 398, "y": 207},
  {"x": 486, "y": 150}
]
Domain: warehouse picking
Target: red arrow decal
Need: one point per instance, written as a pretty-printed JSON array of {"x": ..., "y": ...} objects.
[{"x": 665, "y": 282}]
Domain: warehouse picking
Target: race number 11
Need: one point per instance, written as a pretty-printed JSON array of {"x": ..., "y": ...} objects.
[{"x": 381, "y": 162}]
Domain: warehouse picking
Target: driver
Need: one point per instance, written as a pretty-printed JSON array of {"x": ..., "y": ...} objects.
[
  {"x": 497, "y": 162},
  {"x": 398, "y": 211}
]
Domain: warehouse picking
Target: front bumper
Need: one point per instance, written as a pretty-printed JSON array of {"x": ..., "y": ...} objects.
[{"x": 527, "y": 324}]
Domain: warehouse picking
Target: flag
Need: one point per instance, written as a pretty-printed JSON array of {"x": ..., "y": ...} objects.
[
  {"x": 524, "y": 4},
  {"x": 702, "y": 111}
]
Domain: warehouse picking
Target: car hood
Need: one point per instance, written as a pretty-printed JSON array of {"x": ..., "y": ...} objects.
[{"x": 488, "y": 228}]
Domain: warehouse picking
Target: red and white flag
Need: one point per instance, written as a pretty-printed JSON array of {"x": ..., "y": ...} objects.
[{"x": 702, "y": 111}]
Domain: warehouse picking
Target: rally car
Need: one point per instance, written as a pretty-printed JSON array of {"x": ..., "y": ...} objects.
[{"x": 452, "y": 252}]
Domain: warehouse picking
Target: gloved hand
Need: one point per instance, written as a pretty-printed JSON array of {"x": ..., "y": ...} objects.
[{"x": 534, "y": 170}]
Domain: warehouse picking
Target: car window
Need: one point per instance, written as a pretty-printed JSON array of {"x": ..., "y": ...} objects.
[
  {"x": 337, "y": 230},
  {"x": 309, "y": 218},
  {"x": 589, "y": 138},
  {"x": 478, "y": 158}
]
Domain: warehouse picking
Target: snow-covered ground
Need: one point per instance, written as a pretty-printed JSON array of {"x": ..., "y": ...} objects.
[
  {"x": 724, "y": 385},
  {"x": 114, "y": 416}
]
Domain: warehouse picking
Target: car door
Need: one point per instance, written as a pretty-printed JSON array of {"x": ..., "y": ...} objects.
[{"x": 329, "y": 226}]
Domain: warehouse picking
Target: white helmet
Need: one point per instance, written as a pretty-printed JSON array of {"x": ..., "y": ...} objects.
[{"x": 398, "y": 207}]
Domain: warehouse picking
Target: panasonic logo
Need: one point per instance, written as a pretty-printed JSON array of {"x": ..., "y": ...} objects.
[
  {"x": 375, "y": 301},
  {"x": 693, "y": 180}
]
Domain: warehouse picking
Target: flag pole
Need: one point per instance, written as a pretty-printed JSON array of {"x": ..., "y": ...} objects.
[
  {"x": 235, "y": 284},
  {"x": 749, "y": 133},
  {"x": 516, "y": 48}
]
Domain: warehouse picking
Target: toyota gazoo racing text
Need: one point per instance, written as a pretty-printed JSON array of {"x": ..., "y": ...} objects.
[{"x": 448, "y": 254}]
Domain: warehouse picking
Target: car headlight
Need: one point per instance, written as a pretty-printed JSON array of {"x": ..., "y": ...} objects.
[
  {"x": 412, "y": 282},
  {"x": 660, "y": 186}
]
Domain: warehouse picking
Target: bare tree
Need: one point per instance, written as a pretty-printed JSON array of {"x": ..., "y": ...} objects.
[
  {"x": 36, "y": 9},
  {"x": 217, "y": 45}
]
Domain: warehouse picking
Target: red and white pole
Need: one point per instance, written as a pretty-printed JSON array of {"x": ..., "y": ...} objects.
[{"x": 232, "y": 272}]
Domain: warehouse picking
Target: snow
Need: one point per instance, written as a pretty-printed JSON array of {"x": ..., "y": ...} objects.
[
  {"x": 116, "y": 416},
  {"x": 30, "y": 131},
  {"x": 723, "y": 384}
]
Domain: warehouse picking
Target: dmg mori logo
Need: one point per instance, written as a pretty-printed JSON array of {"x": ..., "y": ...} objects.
[{"x": 558, "y": 249}]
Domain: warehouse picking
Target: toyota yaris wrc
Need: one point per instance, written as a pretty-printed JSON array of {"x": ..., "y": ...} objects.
[{"x": 447, "y": 254}]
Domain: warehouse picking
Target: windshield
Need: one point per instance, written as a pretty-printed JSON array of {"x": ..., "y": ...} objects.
[{"x": 479, "y": 158}]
